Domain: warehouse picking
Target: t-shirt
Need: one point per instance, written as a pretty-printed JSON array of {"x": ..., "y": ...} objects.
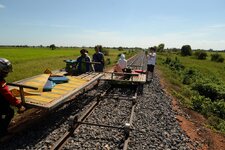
[
  {"x": 83, "y": 65},
  {"x": 151, "y": 58}
]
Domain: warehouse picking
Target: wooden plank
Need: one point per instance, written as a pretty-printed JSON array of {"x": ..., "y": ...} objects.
[
  {"x": 134, "y": 79},
  {"x": 61, "y": 100},
  {"x": 64, "y": 88},
  {"x": 38, "y": 98},
  {"x": 60, "y": 92}
]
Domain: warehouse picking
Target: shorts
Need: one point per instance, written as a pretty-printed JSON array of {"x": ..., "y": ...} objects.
[{"x": 150, "y": 67}]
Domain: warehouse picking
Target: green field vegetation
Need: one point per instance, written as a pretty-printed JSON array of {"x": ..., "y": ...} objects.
[
  {"x": 198, "y": 84},
  {"x": 29, "y": 61}
]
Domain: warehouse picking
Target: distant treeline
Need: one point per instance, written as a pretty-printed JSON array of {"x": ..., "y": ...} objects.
[
  {"x": 42, "y": 46},
  {"x": 179, "y": 49},
  {"x": 160, "y": 47}
]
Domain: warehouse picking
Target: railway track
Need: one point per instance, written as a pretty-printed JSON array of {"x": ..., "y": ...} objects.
[
  {"x": 109, "y": 117},
  {"x": 77, "y": 122},
  {"x": 90, "y": 121}
]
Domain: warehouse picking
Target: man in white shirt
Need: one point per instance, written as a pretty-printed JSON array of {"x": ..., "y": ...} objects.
[{"x": 151, "y": 57}]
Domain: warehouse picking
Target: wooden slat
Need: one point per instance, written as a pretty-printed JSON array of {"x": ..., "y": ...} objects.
[
  {"x": 38, "y": 98},
  {"x": 60, "y": 92},
  {"x": 140, "y": 78}
]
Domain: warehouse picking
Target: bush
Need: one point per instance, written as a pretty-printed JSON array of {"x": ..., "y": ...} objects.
[
  {"x": 210, "y": 90},
  {"x": 197, "y": 103},
  {"x": 219, "y": 108},
  {"x": 186, "y": 50},
  {"x": 217, "y": 123},
  {"x": 108, "y": 61},
  {"x": 207, "y": 90},
  {"x": 217, "y": 57},
  {"x": 200, "y": 55},
  {"x": 120, "y": 49},
  {"x": 105, "y": 52},
  {"x": 206, "y": 107},
  {"x": 174, "y": 64},
  {"x": 190, "y": 76}
]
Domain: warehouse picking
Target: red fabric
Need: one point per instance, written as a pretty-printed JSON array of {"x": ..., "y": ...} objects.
[
  {"x": 139, "y": 71},
  {"x": 4, "y": 90}
]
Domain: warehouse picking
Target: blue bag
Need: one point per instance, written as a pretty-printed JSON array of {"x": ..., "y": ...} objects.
[
  {"x": 59, "y": 79},
  {"x": 48, "y": 86}
]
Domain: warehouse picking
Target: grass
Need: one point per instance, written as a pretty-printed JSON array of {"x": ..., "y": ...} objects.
[
  {"x": 28, "y": 62},
  {"x": 207, "y": 69}
]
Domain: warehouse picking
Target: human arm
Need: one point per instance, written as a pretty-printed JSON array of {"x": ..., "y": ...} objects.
[{"x": 8, "y": 96}]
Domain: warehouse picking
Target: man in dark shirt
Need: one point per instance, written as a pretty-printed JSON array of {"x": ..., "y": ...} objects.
[
  {"x": 98, "y": 57},
  {"x": 83, "y": 62}
]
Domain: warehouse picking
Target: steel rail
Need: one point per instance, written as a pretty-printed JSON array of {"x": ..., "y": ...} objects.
[
  {"x": 127, "y": 132},
  {"x": 102, "y": 125},
  {"x": 59, "y": 144},
  {"x": 135, "y": 59}
]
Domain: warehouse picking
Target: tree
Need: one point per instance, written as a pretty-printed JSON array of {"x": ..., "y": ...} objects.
[
  {"x": 52, "y": 46},
  {"x": 161, "y": 47},
  {"x": 186, "y": 50},
  {"x": 120, "y": 48}
]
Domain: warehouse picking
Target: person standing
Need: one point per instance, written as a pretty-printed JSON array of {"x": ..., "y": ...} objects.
[
  {"x": 99, "y": 58},
  {"x": 151, "y": 58},
  {"x": 6, "y": 98}
]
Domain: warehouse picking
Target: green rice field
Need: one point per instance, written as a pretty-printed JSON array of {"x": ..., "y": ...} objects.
[{"x": 28, "y": 61}]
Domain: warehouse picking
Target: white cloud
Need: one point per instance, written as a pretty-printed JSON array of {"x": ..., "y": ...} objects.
[{"x": 2, "y": 6}]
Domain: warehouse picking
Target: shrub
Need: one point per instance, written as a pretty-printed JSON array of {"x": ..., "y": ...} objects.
[
  {"x": 105, "y": 52},
  {"x": 174, "y": 64},
  {"x": 212, "y": 90},
  {"x": 217, "y": 123},
  {"x": 217, "y": 57},
  {"x": 197, "y": 102},
  {"x": 186, "y": 50},
  {"x": 120, "y": 49},
  {"x": 200, "y": 55},
  {"x": 207, "y": 107},
  {"x": 207, "y": 90},
  {"x": 108, "y": 61},
  {"x": 190, "y": 76},
  {"x": 167, "y": 61},
  {"x": 219, "y": 108}
]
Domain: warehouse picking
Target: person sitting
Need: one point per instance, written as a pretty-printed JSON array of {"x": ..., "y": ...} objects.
[
  {"x": 121, "y": 64},
  {"x": 98, "y": 57},
  {"x": 83, "y": 62},
  {"x": 6, "y": 98}
]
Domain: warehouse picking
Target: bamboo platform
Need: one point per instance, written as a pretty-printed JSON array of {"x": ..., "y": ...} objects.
[
  {"x": 60, "y": 92},
  {"x": 120, "y": 78}
]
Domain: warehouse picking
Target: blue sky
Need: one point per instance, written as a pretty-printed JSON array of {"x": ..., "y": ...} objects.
[{"x": 130, "y": 23}]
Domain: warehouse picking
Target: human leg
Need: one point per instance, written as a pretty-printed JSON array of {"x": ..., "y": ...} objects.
[
  {"x": 5, "y": 118},
  {"x": 147, "y": 72},
  {"x": 152, "y": 71}
]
